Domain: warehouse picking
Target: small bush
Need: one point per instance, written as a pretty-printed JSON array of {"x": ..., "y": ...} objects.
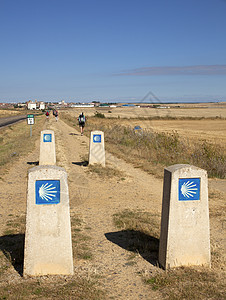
[
  {"x": 211, "y": 158},
  {"x": 99, "y": 115}
]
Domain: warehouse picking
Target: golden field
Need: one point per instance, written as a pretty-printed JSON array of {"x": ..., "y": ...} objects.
[{"x": 199, "y": 121}]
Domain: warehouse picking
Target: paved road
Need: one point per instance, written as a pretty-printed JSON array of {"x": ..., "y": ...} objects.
[{"x": 11, "y": 120}]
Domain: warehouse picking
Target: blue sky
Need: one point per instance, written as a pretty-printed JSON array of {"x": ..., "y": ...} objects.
[{"x": 111, "y": 50}]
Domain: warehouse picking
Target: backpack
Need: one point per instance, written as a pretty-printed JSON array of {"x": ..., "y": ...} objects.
[
  {"x": 47, "y": 113},
  {"x": 81, "y": 119}
]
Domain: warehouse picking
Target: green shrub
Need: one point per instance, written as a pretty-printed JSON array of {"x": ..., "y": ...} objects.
[{"x": 99, "y": 115}]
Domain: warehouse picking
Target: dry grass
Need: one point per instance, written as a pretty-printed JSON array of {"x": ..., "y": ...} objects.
[
  {"x": 106, "y": 172},
  {"x": 80, "y": 239},
  {"x": 152, "y": 151},
  {"x": 12, "y": 244},
  {"x": 217, "y": 205},
  {"x": 52, "y": 287},
  {"x": 188, "y": 283},
  {"x": 15, "y": 140},
  {"x": 44, "y": 287},
  {"x": 4, "y": 113},
  {"x": 103, "y": 172},
  {"x": 139, "y": 233},
  {"x": 138, "y": 220},
  {"x": 140, "y": 230},
  {"x": 15, "y": 225}
]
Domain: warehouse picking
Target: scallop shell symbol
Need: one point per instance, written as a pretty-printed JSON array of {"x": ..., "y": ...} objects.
[
  {"x": 47, "y": 192},
  {"x": 97, "y": 138},
  {"x": 189, "y": 189},
  {"x": 47, "y": 137}
]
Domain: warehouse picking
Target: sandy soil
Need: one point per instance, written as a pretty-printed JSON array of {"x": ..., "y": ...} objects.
[{"x": 96, "y": 200}]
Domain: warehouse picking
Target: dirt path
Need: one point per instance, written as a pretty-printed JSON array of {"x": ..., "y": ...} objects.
[{"x": 95, "y": 200}]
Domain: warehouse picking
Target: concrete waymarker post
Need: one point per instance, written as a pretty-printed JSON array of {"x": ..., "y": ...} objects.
[
  {"x": 48, "y": 246},
  {"x": 47, "y": 148},
  {"x": 185, "y": 237},
  {"x": 96, "y": 148}
]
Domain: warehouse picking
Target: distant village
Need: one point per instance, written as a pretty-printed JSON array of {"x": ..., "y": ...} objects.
[{"x": 41, "y": 105}]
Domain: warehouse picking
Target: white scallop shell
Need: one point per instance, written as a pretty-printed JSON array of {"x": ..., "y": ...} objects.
[
  {"x": 47, "y": 137},
  {"x": 189, "y": 189},
  {"x": 47, "y": 192},
  {"x": 97, "y": 138}
]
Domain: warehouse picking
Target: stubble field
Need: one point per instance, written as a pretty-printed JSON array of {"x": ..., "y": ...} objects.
[{"x": 201, "y": 121}]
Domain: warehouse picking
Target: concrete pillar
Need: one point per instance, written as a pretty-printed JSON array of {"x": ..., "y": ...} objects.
[
  {"x": 47, "y": 148},
  {"x": 96, "y": 148},
  {"x": 48, "y": 245},
  {"x": 185, "y": 237}
]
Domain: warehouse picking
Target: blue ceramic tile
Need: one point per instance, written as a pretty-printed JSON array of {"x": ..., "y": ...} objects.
[
  {"x": 97, "y": 138},
  {"x": 189, "y": 189},
  {"x": 47, "y": 137},
  {"x": 47, "y": 191}
]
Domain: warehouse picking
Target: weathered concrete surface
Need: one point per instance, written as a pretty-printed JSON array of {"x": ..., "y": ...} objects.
[
  {"x": 96, "y": 148},
  {"x": 47, "y": 148},
  {"x": 48, "y": 246},
  {"x": 185, "y": 238}
]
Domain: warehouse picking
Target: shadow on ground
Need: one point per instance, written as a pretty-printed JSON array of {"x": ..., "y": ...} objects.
[
  {"x": 35, "y": 163},
  {"x": 81, "y": 163},
  {"x": 74, "y": 133},
  {"x": 138, "y": 242},
  {"x": 12, "y": 247}
]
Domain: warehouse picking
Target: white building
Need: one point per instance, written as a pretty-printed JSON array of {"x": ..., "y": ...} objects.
[
  {"x": 31, "y": 105},
  {"x": 82, "y": 105},
  {"x": 42, "y": 105},
  {"x": 62, "y": 103}
]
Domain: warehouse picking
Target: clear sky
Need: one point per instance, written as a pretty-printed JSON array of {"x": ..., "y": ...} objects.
[{"x": 112, "y": 50}]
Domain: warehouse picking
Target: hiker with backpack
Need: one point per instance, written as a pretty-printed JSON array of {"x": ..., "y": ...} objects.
[
  {"x": 56, "y": 115},
  {"x": 47, "y": 115},
  {"x": 81, "y": 122}
]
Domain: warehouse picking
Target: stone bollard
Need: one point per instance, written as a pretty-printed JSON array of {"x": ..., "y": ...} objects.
[
  {"x": 185, "y": 237},
  {"x": 47, "y": 148},
  {"x": 96, "y": 148},
  {"x": 48, "y": 246}
]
